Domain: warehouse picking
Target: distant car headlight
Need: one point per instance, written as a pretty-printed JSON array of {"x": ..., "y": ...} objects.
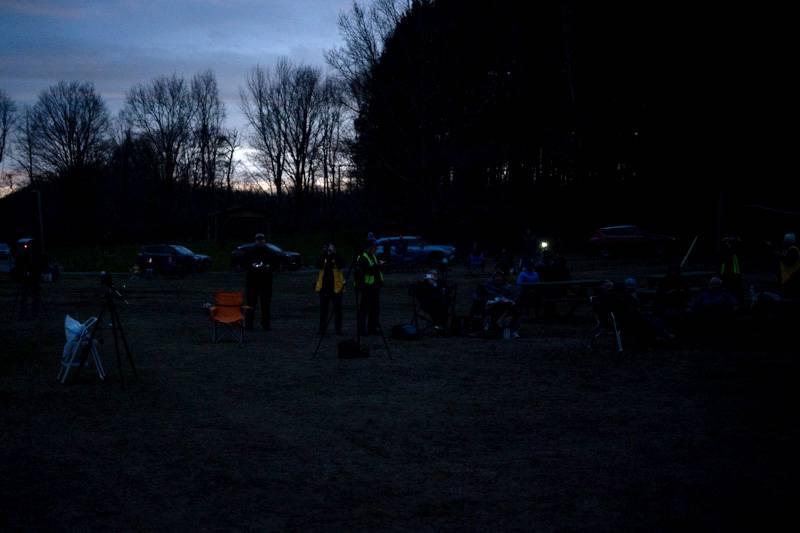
[{"x": 543, "y": 245}]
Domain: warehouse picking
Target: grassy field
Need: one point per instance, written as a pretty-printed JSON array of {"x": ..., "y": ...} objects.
[{"x": 449, "y": 434}]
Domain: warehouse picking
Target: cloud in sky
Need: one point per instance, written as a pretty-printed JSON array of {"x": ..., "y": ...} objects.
[{"x": 118, "y": 43}]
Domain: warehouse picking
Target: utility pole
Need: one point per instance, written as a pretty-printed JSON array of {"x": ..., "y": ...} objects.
[{"x": 41, "y": 224}]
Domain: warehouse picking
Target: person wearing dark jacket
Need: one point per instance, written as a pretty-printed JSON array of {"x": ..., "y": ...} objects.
[
  {"x": 27, "y": 271},
  {"x": 260, "y": 263},
  {"x": 330, "y": 286},
  {"x": 789, "y": 267},
  {"x": 369, "y": 280},
  {"x": 730, "y": 269}
]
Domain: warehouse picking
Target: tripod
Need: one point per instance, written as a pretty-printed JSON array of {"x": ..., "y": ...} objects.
[
  {"x": 23, "y": 292},
  {"x": 324, "y": 332},
  {"x": 377, "y": 325},
  {"x": 116, "y": 329}
]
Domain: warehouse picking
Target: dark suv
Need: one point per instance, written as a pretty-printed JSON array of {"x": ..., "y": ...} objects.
[
  {"x": 288, "y": 260},
  {"x": 617, "y": 240},
  {"x": 171, "y": 259}
]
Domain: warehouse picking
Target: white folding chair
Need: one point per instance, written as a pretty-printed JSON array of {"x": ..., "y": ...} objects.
[{"x": 78, "y": 339}]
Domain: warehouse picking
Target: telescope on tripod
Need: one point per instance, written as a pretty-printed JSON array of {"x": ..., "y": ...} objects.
[{"x": 110, "y": 296}]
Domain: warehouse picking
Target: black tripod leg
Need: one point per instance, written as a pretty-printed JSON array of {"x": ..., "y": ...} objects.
[
  {"x": 125, "y": 344},
  {"x": 385, "y": 343},
  {"x": 116, "y": 347},
  {"x": 14, "y": 305},
  {"x": 88, "y": 350},
  {"x": 358, "y": 319},
  {"x": 323, "y": 333},
  {"x": 42, "y": 307}
]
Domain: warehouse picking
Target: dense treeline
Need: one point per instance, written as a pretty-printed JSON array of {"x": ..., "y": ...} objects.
[
  {"x": 559, "y": 115},
  {"x": 168, "y": 162},
  {"x": 527, "y": 113},
  {"x": 442, "y": 117}
]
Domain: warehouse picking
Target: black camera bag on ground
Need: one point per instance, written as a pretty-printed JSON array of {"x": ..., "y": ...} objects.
[{"x": 350, "y": 349}]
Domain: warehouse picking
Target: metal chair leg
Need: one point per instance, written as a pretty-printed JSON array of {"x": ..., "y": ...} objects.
[{"x": 616, "y": 332}]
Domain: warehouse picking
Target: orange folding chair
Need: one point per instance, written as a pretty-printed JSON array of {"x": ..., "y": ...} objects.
[{"x": 227, "y": 314}]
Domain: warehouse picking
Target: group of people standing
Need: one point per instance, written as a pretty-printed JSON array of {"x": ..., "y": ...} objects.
[{"x": 261, "y": 262}]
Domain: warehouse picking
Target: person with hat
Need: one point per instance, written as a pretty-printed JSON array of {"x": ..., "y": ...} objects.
[
  {"x": 369, "y": 280},
  {"x": 260, "y": 263},
  {"x": 715, "y": 301}
]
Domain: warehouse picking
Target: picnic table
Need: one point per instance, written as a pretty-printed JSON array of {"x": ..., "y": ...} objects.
[
  {"x": 548, "y": 294},
  {"x": 693, "y": 278}
]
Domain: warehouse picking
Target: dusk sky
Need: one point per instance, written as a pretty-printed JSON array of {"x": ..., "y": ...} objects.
[{"x": 118, "y": 43}]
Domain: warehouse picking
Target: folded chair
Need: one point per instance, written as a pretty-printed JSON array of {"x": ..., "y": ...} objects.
[
  {"x": 606, "y": 322},
  {"x": 79, "y": 337},
  {"x": 227, "y": 315}
]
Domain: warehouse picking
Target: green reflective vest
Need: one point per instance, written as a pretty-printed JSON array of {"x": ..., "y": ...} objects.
[
  {"x": 369, "y": 279},
  {"x": 731, "y": 266}
]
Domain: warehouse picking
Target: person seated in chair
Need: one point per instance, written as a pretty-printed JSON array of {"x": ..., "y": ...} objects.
[
  {"x": 505, "y": 262},
  {"x": 477, "y": 260},
  {"x": 714, "y": 304},
  {"x": 500, "y": 309},
  {"x": 714, "y": 301},
  {"x": 645, "y": 329},
  {"x": 432, "y": 298}
]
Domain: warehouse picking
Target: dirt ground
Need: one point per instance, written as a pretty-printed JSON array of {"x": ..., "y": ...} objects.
[{"x": 450, "y": 434}]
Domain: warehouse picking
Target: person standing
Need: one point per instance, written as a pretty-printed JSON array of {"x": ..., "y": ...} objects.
[
  {"x": 330, "y": 286},
  {"x": 369, "y": 281},
  {"x": 789, "y": 267},
  {"x": 260, "y": 264},
  {"x": 730, "y": 270},
  {"x": 27, "y": 271}
]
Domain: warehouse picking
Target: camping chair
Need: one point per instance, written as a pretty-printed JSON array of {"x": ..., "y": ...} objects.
[
  {"x": 227, "y": 315},
  {"x": 498, "y": 315},
  {"x": 423, "y": 310},
  {"x": 79, "y": 337},
  {"x": 606, "y": 322}
]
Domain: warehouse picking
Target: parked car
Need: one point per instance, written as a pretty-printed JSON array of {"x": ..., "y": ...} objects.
[
  {"x": 288, "y": 260},
  {"x": 628, "y": 239},
  {"x": 413, "y": 250},
  {"x": 171, "y": 259},
  {"x": 5, "y": 257}
]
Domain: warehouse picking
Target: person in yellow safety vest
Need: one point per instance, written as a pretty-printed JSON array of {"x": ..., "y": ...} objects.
[
  {"x": 731, "y": 272},
  {"x": 330, "y": 286},
  {"x": 788, "y": 268},
  {"x": 369, "y": 280}
]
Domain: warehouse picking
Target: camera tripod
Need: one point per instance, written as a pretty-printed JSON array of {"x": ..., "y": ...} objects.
[
  {"x": 111, "y": 294},
  {"x": 324, "y": 332},
  {"x": 23, "y": 293}
]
